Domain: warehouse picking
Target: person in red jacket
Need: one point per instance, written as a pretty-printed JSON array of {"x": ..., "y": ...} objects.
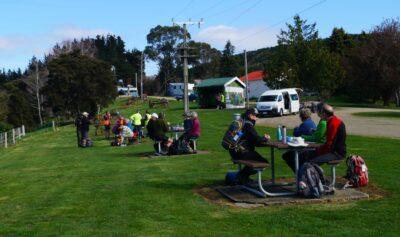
[
  {"x": 333, "y": 149},
  {"x": 335, "y": 146}
]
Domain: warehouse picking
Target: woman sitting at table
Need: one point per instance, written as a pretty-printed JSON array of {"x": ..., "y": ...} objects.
[
  {"x": 250, "y": 139},
  {"x": 307, "y": 126}
]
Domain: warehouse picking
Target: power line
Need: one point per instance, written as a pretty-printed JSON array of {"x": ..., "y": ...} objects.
[
  {"x": 184, "y": 8},
  {"x": 208, "y": 9},
  {"x": 223, "y": 11},
  {"x": 283, "y": 20},
  {"x": 245, "y": 11}
]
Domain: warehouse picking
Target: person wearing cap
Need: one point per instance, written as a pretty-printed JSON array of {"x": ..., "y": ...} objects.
[
  {"x": 84, "y": 128},
  {"x": 250, "y": 139}
]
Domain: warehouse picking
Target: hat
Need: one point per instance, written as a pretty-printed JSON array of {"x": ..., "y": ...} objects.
[
  {"x": 85, "y": 114},
  {"x": 186, "y": 114},
  {"x": 297, "y": 141},
  {"x": 154, "y": 115},
  {"x": 252, "y": 111}
]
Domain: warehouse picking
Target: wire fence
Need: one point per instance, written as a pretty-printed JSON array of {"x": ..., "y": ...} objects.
[{"x": 11, "y": 137}]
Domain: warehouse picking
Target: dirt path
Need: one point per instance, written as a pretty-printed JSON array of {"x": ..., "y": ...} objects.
[{"x": 355, "y": 125}]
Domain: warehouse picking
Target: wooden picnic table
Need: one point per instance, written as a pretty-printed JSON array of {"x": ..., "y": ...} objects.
[{"x": 162, "y": 103}]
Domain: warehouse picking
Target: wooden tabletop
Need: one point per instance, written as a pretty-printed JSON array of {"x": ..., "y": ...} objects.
[{"x": 281, "y": 145}]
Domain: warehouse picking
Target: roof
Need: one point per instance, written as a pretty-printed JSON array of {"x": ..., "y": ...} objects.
[
  {"x": 222, "y": 81},
  {"x": 253, "y": 76}
]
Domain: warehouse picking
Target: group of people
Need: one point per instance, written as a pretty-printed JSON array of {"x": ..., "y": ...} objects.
[
  {"x": 158, "y": 128},
  {"x": 330, "y": 132},
  {"x": 127, "y": 131}
]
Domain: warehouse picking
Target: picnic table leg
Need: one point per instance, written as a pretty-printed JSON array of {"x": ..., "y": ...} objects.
[
  {"x": 273, "y": 165},
  {"x": 296, "y": 161}
]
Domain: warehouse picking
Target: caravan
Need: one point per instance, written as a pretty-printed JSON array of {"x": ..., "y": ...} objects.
[{"x": 278, "y": 102}]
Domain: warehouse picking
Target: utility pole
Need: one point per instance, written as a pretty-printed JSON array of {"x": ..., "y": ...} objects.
[
  {"x": 185, "y": 56},
  {"x": 141, "y": 77},
  {"x": 247, "y": 79},
  {"x": 136, "y": 80}
]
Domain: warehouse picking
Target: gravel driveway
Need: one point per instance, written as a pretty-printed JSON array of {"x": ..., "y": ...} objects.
[{"x": 355, "y": 125}]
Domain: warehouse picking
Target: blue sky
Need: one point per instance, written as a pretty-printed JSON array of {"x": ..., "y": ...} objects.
[{"x": 33, "y": 27}]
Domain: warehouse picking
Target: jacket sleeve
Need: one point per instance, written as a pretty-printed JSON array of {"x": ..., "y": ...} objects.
[
  {"x": 252, "y": 135},
  {"x": 319, "y": 135}
]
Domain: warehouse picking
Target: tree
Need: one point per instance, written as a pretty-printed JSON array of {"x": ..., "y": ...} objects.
[
  {"x": 78, "y": 83},
  {"x": 229, "y": 64},
  {"x": 163, "y": 42},
  {"x": 375, "y": 65},
  {"x": 206, "y": 62},
  {"x": 340, "y": 42},
  {"x": 303, "y": 60}
]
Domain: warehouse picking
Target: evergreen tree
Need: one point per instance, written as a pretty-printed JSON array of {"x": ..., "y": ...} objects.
[{"x": 229, "y": 64}]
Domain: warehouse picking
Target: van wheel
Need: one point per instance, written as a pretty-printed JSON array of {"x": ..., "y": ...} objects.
[{"x": 281, "y": 112}]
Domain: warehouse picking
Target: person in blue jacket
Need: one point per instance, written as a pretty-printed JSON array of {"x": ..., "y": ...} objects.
[{"x": 307, "y": 127}]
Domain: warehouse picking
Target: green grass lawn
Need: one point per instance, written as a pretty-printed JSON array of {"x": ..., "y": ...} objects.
[
  {"x": 49, "y": 187},
  {"x": 395, "y": 115}
]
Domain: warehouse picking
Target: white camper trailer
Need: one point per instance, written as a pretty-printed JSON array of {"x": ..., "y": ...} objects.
[{"x": 279, "y": 102}]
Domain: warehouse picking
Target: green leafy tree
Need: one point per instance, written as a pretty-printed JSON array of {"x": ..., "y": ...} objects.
[
  {"x": 78, "y": 83},
  {"x": 229, "y": 66},
  {"x": 375, "y": 64},
  {"x": 163, "y": 42},
  {"x": 206, "y": 60},
  {"x": 303, "y": 60}
]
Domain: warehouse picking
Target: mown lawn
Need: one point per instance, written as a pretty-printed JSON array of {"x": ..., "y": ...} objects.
[
  {"x": 49, "y": 187},
  {"x": 395, "y": 115}
]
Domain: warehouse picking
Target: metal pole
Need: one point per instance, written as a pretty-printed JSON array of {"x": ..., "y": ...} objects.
[
  {"x": 141, "y": 77},
  {"x": 247, "y": 79},
  {"x": 5, "y": 140},
  {"x": 185, "y": 72},
  {"x": 136, "y": 80}
]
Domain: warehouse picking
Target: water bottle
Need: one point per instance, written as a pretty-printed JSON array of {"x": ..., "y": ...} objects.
[
  {"x": 284, "y": 135},
  {"x": 237, "y": 136},
  {"x": 279, "y": 133}
]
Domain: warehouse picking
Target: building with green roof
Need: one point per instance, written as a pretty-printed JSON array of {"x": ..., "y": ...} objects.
[{"x": 231, "y": 87}]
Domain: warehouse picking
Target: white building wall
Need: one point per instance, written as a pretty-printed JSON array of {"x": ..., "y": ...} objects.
[{"x": 257, "y": 88}]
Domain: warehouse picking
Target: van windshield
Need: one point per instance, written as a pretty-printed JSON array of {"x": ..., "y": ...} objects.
[
  {"x": 294, "y": 97},
  {"x": 267, "y": 98}
]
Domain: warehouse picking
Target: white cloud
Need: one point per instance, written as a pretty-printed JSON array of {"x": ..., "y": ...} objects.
[
  {"x": 71, "y": 32},
  {"x": 12, "y": 42},
  {"x": 249, "y": 38}
]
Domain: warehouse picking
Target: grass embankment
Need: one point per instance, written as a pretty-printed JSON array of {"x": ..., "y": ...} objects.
[
  {"x": 394, "y": 115},
  {"x": 49, "y": 187}
]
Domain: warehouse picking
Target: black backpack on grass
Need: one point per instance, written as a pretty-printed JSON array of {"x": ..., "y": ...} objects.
[{"x": 312, "y": 182}]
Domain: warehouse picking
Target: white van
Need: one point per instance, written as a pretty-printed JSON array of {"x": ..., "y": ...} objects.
[{"x": 278, "y": 102}]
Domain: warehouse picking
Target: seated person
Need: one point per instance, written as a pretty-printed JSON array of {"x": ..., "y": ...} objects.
[
  {"x": 319, "y": 134},
  {"x": 126, "y": 133},
  {"x": 250, "y": 139},
  {"x": 334, "y": 147},
  {"x": 307, "y": 126},
  {"x": 187, "y": 125},
  {"x": 150, "y": 125},
  {"x": 160, "y": 129}
]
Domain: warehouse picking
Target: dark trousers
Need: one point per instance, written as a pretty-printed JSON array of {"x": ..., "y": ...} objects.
[
  {"x": 308, "y": 156},
  {"x": 245, "y": 172}
]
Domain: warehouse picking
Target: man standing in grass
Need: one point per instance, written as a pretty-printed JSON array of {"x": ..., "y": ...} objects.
[{"x": 137, "y": 122}]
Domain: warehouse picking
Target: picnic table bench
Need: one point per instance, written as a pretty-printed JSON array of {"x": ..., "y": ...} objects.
[{"x": 162, "y": 103}]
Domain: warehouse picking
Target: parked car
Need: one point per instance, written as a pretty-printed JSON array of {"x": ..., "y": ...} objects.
[{"x": 278, "y": 102}]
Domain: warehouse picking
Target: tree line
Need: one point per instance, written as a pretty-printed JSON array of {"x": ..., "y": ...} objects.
[{"x": 76, "y": 76}]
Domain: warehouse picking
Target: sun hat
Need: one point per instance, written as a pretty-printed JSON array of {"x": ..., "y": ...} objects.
[
  {"x": 297, "y": 141},
  {"x": 154, "y": 115},
  {"x": 85, "y": 114}
]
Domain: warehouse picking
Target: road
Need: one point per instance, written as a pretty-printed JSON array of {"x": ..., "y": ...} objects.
[{"x": 355, "y": 125}]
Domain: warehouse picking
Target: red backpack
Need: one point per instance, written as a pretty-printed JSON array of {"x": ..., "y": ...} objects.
[{"x": 357, "y": 171}]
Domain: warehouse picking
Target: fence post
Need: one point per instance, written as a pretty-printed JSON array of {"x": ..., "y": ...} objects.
[
  {"x": 54, "y": 126},
  {"x": 23, "y": 130},
  {"x": 5, "y": 139},
  {"x": 13, "y": 136},
  {"x": 19, "y": 132}
]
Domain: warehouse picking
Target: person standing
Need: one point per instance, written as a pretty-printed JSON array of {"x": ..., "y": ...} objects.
[
  {"x": 107, "y": 124},
  {"x": 84, "y": 128},
  {"x": 250, "y": 139},
  {"x": 137, "y": 122},
  {"x": 222, "y": 105}
]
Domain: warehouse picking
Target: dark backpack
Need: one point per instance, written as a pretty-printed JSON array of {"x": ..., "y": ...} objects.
[
  {"x": 312, "y": 182},
  {"x": 357, "y": 171},
  {"x": 232, "y": 138}
]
